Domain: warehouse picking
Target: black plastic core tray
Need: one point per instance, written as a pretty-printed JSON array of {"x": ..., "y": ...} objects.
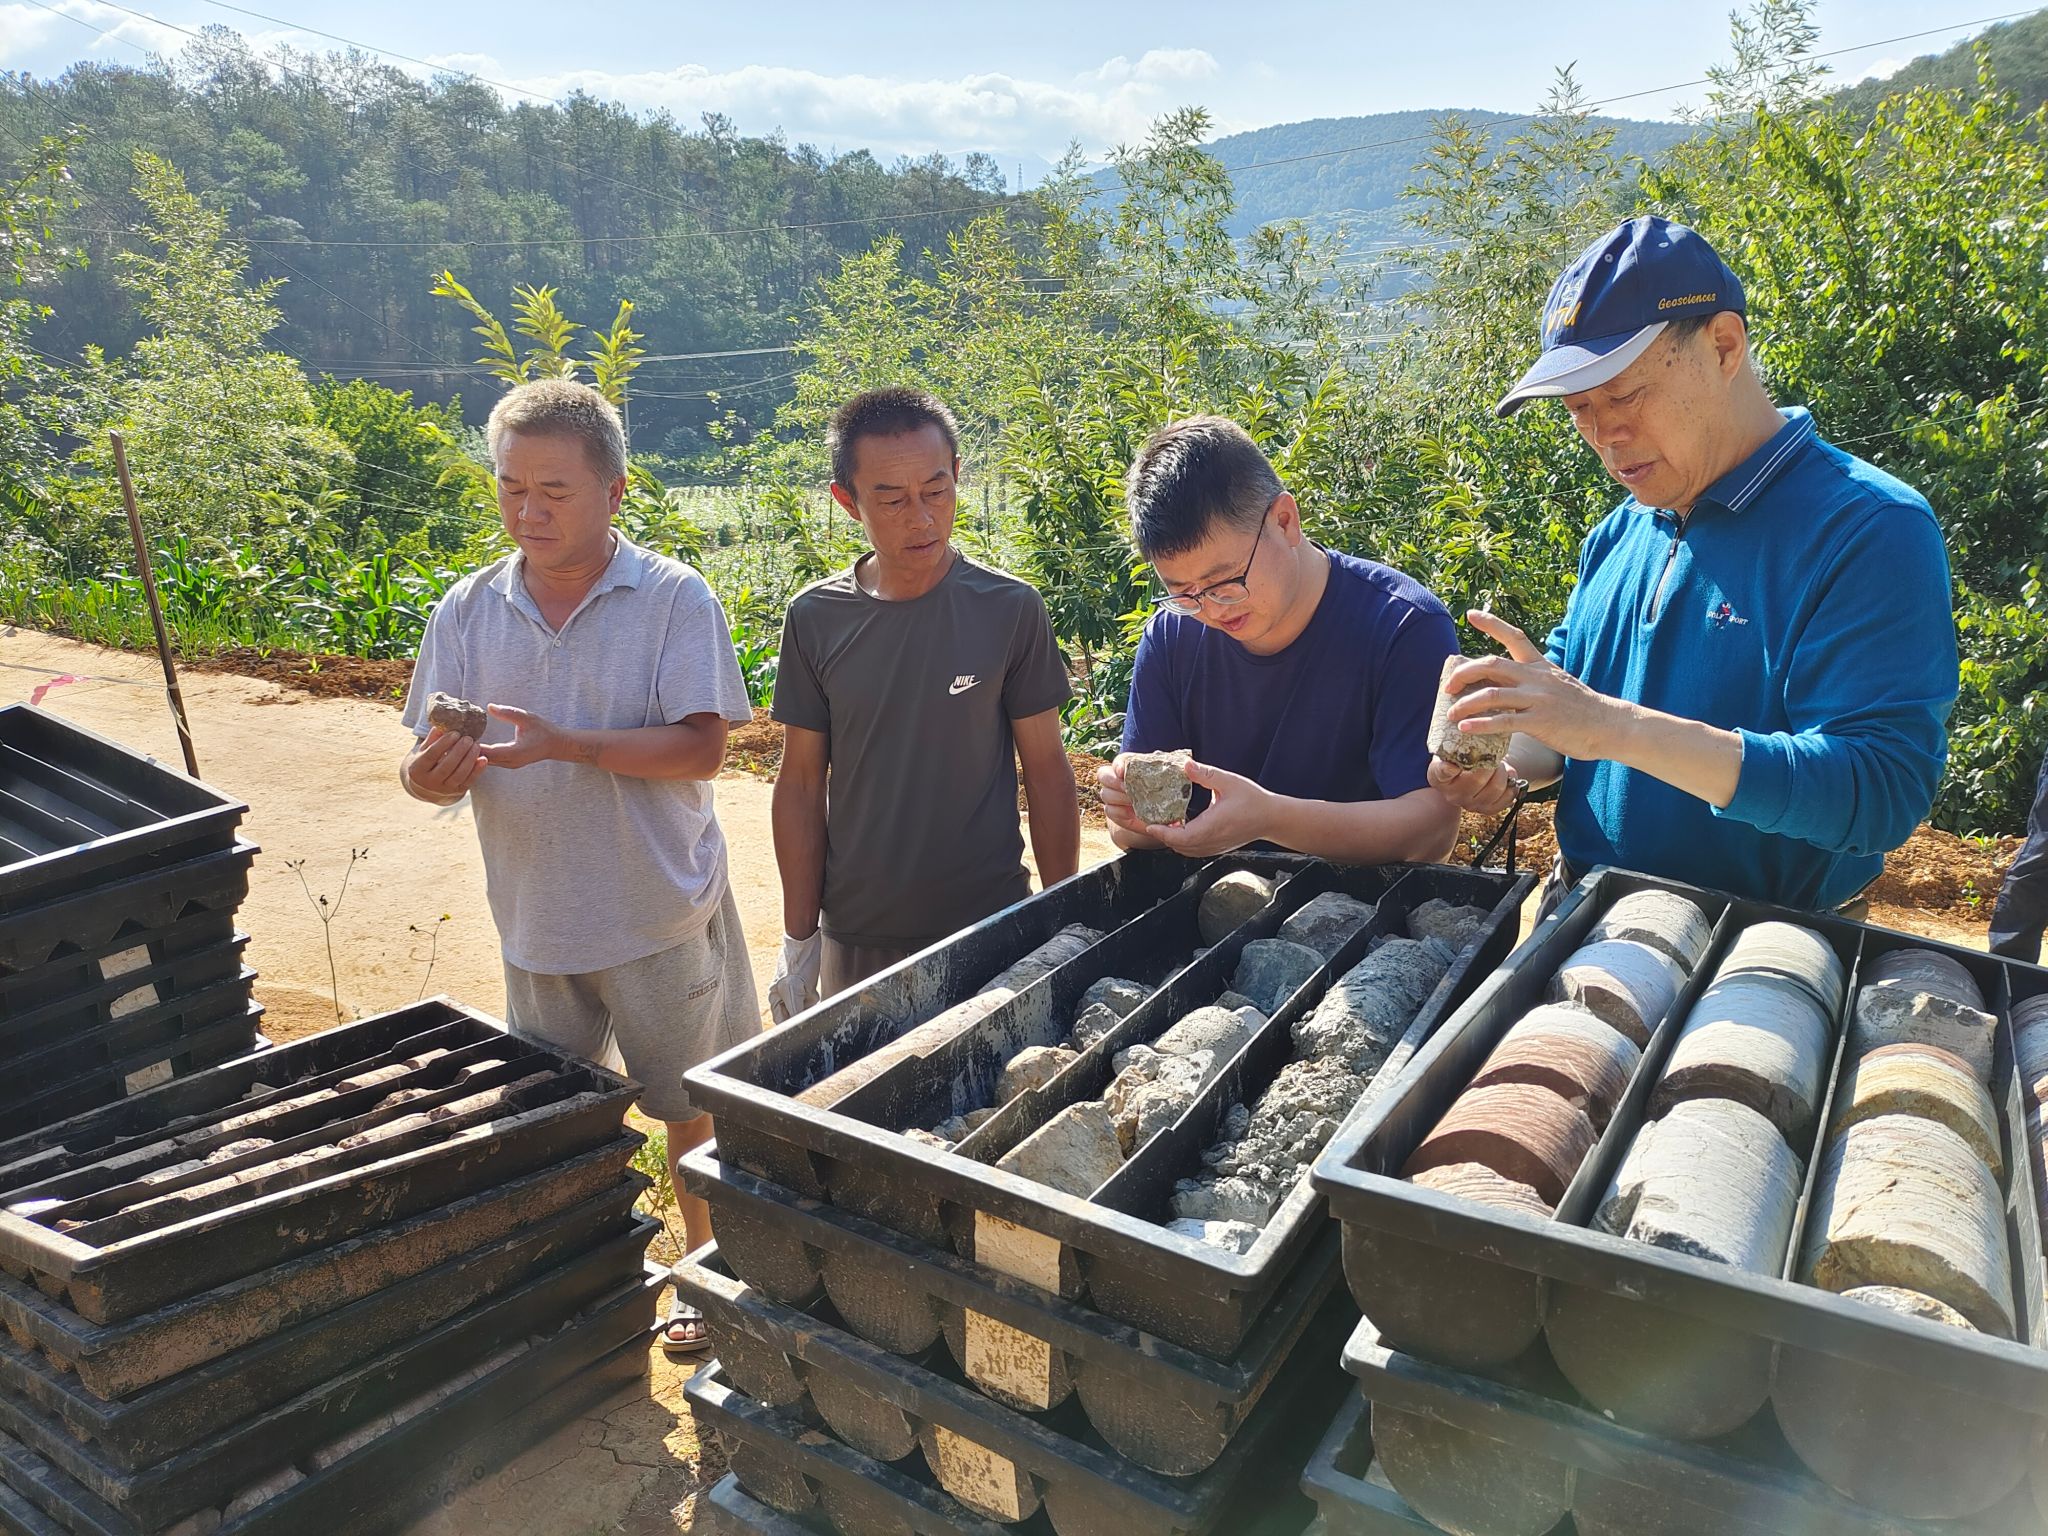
[
  {"x": 1164, "y": 1406},
  {"x": 79, "y": 970},
  {"x": 113, "y": 1265},
  {"x": 1943, "y": 1383},
  {"x": 1193, "y": 1293},
  {"x": 76, "y": 808},
  {"x": 123, "y": 912},
  {"x": 1336, "y": 1478},
  {"x": 586, "y": 1360}
]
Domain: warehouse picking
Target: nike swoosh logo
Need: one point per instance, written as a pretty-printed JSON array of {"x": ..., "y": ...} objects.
[{"x": 962, "y": 684}]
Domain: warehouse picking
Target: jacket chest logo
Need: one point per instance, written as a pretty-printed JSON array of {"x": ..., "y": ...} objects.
[{"x": 1722, "y": 614}]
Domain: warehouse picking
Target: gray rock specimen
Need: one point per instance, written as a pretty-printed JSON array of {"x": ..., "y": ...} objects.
[
  {"x": 1925, "y": 970},
  {"x": 1221, "y": 1031},
  {"x": 1091, "y": 1024},
  {"x": 1758, "y": 1040},
  {"x": 1325, "y": 923},
  {"x": 934, "y": 1138},
  {"x": 1032, "y": 1067},
  {"x": 1116, "y": 994},
  {"x": 1630, "y": 985},
  {"x": 960, "y": 1127},
  {"x": 1150, "y": 1092},
  {"x": 1369, "y": 1007},
  {"x": 1158, "y": 785},
  {"x": 1798, "y": 954},
  {"x": 1479, "y": 749},
  {"x": 922, "y": 1040},
  {"x": 1237, "y": 1236},
  {"x": 1664, "y": 920},
  {"x": 1439, "y": 919},
  {"x": 1908, "y": 1304},
  {"x": 1269, "y": 970},
  {"x": 1895, "y": 1015},
  {"x": 1075, "y": 1151},
  {"x": 458, "y": 716},
  {"x": 1236, "y": 898},
  {"x": 1712, "y": 1179},
  {"x": 1236, "y": 1000},
  {"x": 1250, "y": 1173},
  {"x": 1903, "y": 1202}
]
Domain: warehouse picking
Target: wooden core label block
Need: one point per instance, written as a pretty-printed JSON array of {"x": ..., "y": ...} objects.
[
  {"x": 148, "y": 1077},
  {"x": 1008, "y": 1360},
  {"x": 142, "y": 997},
  {"x": 1017, "y": 1251},
  {"x": 977, "y": 1476}
]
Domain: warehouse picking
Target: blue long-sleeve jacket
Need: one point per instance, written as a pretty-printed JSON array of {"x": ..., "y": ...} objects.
[{"x": 1805, "y": 604}]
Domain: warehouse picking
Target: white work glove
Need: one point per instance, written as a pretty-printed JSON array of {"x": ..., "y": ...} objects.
[{"x": 794, "y": 986}]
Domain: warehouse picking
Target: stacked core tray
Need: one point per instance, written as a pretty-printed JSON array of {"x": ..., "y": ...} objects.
[
  {"x": 981, "y": 1345},
  {"x": 277, "y": 1294},
  {"x": 1726, "y": 1324},
  {"x": 120, "y": 967}
]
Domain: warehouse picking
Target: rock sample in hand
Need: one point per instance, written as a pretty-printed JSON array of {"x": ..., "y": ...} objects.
[
  {"x": 457, "y": 716},
  {"x": 1758, "y": 1040},
  {"x": 1480, "y": 750},
  {"x": 1369, "y": 1008},
  {"x": 1269, "y": 971},
  {"x": 1905, "y": 1202},
  {"x": 1921, "y": 1080},
  {"x": 1712, "y": 1179},
  {"x": 1630, "y": 985},
  {"x": 1032, "y": 1067},
  {"x": 1075, "y": 1151},
  {"x": 1236, "y": 898},
  {"x": 1664, "y": 920},
  {"x": 1519, "y": 1130},
  {"x": 1439, "y": 919},
  {"x": 1327, "y": 922},
  {"x": 1265, "y": 1150},
  {"x": 1562, "y": 1047},
  {"x": 1158, "y": 785},
  {"x": 922, "y": 1040}
]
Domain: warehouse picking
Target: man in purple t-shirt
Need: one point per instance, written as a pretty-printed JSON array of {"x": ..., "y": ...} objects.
[{"x": 1301, "y": 679}]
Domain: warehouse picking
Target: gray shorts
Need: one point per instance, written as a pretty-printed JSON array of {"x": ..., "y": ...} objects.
[{"x": 659, "y": 1016}]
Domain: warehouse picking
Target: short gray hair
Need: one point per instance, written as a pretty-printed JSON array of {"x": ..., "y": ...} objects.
[{"x": 563, "y": 408}]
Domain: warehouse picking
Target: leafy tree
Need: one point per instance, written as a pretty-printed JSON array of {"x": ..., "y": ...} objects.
[
  {"x": 223, "y": 438},
  {"x": 31, "y": 405},
  {"x": 393, "y": 489}
]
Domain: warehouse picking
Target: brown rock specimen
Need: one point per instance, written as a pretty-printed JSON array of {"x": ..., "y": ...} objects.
[
  {"x": 1562, "y": 1047},
  {"x": 1630, "y": 985},
  {"x": 1664, "y": 920},
  {"x": 1521, "y": 1131},
  {"x": 1908, "y": 1304},
  {"x": 1236, "y": 898},
  {"x": 458, "y": 716},
  {"x": 1758, "y": 1040},
  {"x": 1032, "y": 1067},
  {"x": 1905, "y": 1202},
  {"x": 1481, "y": 750},
  {"x": 1481, "y": 1185},
  {"x": 1158, "y": 785},
  {"x": 1075, "y": 1151},
  {"x": 1921, "y": 1080}
]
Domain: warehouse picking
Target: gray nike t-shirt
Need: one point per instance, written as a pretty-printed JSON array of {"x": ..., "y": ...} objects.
[{"x": 921, "y": 827}]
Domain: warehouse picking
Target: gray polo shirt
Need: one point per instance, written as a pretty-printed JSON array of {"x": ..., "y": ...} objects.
[
  {"x": 921, "y": 833},
  {"x": 587, "y": 869}
]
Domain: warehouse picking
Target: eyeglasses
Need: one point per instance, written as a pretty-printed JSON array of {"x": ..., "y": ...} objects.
[{"x": 1224, "y": 594}]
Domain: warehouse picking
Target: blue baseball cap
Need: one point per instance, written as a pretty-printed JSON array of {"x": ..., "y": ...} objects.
[{"x": 1616, "y": 299}]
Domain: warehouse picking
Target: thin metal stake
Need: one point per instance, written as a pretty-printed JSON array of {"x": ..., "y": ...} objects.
[{"x": 156, "y": 611}]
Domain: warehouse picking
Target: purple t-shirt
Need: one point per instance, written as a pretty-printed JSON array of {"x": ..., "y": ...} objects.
[{"x": 1341, "y": 714}]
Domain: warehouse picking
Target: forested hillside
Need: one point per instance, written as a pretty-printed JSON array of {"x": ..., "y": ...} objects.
[
  {"x": 2018, "y": 48},
  {"x": 358, "y": 184}
]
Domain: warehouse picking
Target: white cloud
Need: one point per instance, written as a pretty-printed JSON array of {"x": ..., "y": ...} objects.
[
  {"x": 43, "y": 41},
  {"x": 1882, "y": 69},
  {"x": 1112, "y": 104}
]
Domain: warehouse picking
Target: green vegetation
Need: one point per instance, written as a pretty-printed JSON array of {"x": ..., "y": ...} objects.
[{"x": 1893, "y": 253}]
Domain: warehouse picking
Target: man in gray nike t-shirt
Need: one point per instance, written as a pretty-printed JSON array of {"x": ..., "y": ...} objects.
[{"x": 910, "y": 687}]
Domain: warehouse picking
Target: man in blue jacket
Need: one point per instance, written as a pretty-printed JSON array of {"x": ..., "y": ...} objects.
[{"x": 1750, "y": 686}]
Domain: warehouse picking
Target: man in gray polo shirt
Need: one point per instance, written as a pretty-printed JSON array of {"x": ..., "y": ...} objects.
[
  {"x": 911, "y": 686},
  {"x": 614, "y": 671}
]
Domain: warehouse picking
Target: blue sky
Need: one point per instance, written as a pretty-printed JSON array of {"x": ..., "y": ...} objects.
[{"x": 1019, "y": 81}]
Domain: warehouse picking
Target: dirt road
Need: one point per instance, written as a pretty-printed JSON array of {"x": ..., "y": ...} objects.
[{"x": 320, "y": 777}]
